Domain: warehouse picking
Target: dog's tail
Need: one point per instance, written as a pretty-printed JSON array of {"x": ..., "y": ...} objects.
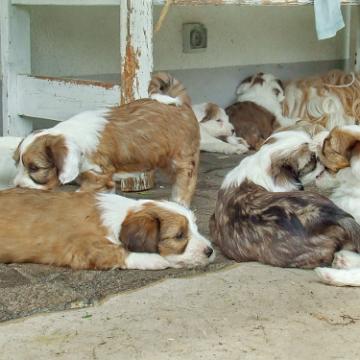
[
  {"x": 352, "y": 229},
  {"x": 166, "y": 89}
]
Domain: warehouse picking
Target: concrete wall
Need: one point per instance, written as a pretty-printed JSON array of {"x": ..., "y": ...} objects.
[{"x": 84, "y": 42}]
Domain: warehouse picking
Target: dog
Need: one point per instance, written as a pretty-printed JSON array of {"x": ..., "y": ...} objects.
[
  {"x": 340, "y": 154},
  {"x": 258, "y": 110},
  {"x": 87, "y": 230},
  {"x": 331, "y": 99},
  {"x": 260, "y": 214},
  {"x": 8, "y": 145},
  {"x": 216, "y": 132},
  {"x": 94, "y": 145}
]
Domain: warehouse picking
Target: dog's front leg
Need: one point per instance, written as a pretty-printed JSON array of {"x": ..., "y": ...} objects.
[
  {"x": 92, "y": 181},
  {"x": 145, "y": 261}
]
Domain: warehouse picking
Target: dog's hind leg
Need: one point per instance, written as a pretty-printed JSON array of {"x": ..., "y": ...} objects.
[{"x": 185, "y": 172}]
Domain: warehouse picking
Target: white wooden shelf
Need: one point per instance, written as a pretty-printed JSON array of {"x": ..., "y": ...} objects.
[{"x": 175, "y": 2}]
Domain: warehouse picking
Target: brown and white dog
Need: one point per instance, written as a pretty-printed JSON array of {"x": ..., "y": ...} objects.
[
  {"x": 258, "y": 110},
  {"x": 340, "y": 153},
  {"x": 216, "y": 132},
  {"x": 331, "y": 99},
  {"x": 94, "y": 145},
  {"x": 85, "y": 230},
  {"x": 261, "y": 216}
]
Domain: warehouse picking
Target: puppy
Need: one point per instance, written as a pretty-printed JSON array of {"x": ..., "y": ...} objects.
[
  {"x": 94, "y": 145},
  {"x": 216, "y": 132},
  {"x": 340, "y": 153},
  {"x": 331, "y": 99},
  {"x": 8, "y": 145},
  {"x": 261, "y": 216},
  {"x": 86, "y": 230},
  {"x": 258, "y": 111}
]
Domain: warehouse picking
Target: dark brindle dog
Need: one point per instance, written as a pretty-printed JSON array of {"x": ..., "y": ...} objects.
[{"x": 261, "y": 216}]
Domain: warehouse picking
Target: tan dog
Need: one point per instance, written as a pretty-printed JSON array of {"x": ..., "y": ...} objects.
[
  {"x": 92, "y": 146},
  {"x": 85, "y": 230}
]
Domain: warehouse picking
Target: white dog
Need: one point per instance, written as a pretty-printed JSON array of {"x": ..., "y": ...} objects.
[
  {"x": 8, "y": 145},
  {"x": 214, "y": 128}
]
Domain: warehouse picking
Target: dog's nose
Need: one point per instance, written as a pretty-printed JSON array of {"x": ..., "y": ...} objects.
[
  {"x": 208, "y": 251},
  {"x": 232, "y": 131}
]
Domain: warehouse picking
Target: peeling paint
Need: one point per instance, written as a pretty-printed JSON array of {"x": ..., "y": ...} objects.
[
  {"x": 128, "y": 75},
  {"x": 102, "y": 84}
]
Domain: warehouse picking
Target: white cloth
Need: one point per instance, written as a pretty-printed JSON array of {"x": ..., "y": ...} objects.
[{"x": 328, "y": 18}]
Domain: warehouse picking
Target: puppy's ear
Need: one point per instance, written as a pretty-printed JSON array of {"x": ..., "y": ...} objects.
[
  {"x": 140, "y": 232},
  {"x": 286, "y": 176},
  {"x": 210, "y": 112},
  {"x": 16, "y": 155},
  {"x": 65, "y": 155},
  {"x": 341, "y": 149}
]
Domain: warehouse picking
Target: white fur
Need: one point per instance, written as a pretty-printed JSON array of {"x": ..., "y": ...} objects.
[
  {"x": 339, "y": 277},
  {"x": 345, "y": 194},
  {"x": 146, "y": 261},
  {"x": 263, "y": 95},
  {"x": 166, "y": 99},
  {"x": 256, "y": 167},
  {"x": 8, "y": 145},
  {"x": 82, "y": 134},
  {"x": 219, "y": 126},
  {"x": 114, "y": 209}
]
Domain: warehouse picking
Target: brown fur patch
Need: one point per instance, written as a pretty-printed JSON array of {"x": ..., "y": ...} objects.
[
  {"x": 44, "y": 159},
  {"x": 312, "y": 128},
  {"x": 211, "y": 111},
  {"x": 338, "y": 149},
  {"x": 252, "y": 122},
  {"x": 55, "y": 228},
  {"x": 155, "y": 229},
  {"x": 146, "y": 134}
]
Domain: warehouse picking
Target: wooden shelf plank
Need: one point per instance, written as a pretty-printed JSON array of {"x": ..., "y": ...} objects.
[
  {"x": 175, "y": 2},
  {"x": 58, "y": 98}
]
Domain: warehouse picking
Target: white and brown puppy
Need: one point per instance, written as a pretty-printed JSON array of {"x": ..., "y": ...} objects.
[
  {"x": 8, "y": 145},
  {"x": 92, "y": 146},
  {"x": 340, "y": 153},
  {"x": 86, "y": 230},
  {"x": 261, "y": 216},
  {"x": 216, "y": 132},
  {"x": 258, "y": 110},
  {"x": 331, "y": 99}
]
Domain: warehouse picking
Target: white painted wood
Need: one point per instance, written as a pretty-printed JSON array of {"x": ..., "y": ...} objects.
[
  {"x": 58, "y": 99},
  {"x": 15, "y": 59},
  {"x": 175, "y": 2},
  {"x": 136, "y": 48}
]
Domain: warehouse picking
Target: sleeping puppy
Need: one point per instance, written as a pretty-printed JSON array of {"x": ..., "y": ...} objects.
[
  {"x": 216, "y": 132},
  {"x": 8, "y": 145},
  {"x": 258, "y": 110},
  {"x": 261, "y": 216},
  {"x": 340, "y": 153},
  {"x": 92, "y": 146},
  {"x": 86, "y": 230}
]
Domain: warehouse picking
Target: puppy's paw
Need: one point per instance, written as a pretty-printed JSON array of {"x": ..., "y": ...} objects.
[
  {"x": 234, "y": 140},
  {"x": 146, "y": 261},
  {"x": 329, "y": 276},
  {"x": 346, "y": 259}
]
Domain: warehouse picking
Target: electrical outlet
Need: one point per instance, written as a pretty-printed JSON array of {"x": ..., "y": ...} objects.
[{"x": 194, "y": 38}]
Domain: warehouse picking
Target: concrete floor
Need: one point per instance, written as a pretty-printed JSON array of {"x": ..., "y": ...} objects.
[
  {"x": 225, "y": 311},
  {"x": 249, "y": 311}
]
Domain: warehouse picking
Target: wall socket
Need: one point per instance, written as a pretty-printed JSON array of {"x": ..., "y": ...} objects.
[{"x": 194, "y": 38}]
